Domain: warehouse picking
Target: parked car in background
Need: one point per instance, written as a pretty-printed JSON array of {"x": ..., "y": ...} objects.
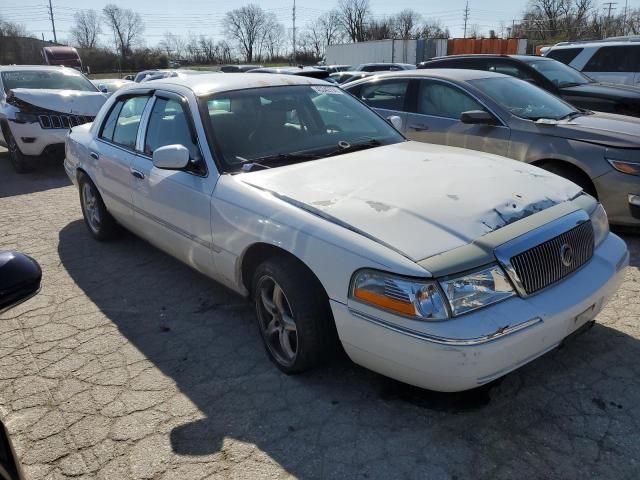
[
  {"x": 348, "y": 76},
  {"x": 298, "y": 71},
  {"x": 38, "y": 105},
  {"x": 183, "y": 72},
  {"x": 499, "y": 114},
  {"x": 334, "y": 68},
  {"x": 612, "y": 60},
  {"x": 437, "y": 266},
  {"x": 62, "y": 56},
  {"x": 238, "y": 68},
  {"x": 555, "y": 77},
  {"x": 383, "y": 67},
  {"x": 110, "y": 85}
]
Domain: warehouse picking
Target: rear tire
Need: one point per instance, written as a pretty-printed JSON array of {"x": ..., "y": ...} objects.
[
  {"x": 293, "y": 313},
  {"x": 21, "y": 162},
  {"x": 102, "y": 226}
]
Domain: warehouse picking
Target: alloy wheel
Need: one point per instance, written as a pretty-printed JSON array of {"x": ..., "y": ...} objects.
[
  {"x": 277, "y": 322},
  {"x": 91, "y": 209}
]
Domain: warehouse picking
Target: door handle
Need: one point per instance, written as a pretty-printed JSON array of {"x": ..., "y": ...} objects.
[
  {"x": 419, "y": 127},
  {"x": 137, "y": 173},
  {"x": 94, "y": 155}
]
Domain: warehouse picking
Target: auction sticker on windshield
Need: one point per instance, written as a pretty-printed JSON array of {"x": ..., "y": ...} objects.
[{"x": 328, "y": 90}]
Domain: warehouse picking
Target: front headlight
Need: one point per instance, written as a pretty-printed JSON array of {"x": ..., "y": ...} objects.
[
  {"x": 600, "y": 224},
  {"x": 477, "y": 290},
  {"x": 419, "y": 299},
  {"x": 22, "y": 117}
]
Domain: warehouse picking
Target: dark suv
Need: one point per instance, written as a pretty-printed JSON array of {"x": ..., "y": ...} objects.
[{"x": 555, "y": 77}]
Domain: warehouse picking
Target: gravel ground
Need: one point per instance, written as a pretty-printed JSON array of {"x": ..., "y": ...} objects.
[{"x": 130, "y": 365}]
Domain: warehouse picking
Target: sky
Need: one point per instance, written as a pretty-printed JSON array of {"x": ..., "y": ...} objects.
[{"x": 202, "y": 17}]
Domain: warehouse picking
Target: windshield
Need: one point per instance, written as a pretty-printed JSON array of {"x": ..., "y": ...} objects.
[
  {"x": 560, "y": 74},
  {"x": 523, "y": 99},
  {"x": 277, "y": 125},
  {"x": 49, "y": 79}
]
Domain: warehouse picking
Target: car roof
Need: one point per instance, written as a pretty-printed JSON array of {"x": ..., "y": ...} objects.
[
  {"x": 9, "y": 68},
  {"x": 455, "y": 74},
  {"x": 606, "y": 42},
  {"x": 523, "y": 58},
  {"x": 209, "y": 83}
]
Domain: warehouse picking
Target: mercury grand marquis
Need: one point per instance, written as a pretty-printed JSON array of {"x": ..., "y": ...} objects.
[{"x": 441, "y": 267}]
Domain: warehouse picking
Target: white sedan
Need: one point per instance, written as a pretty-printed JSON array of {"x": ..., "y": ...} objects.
[{"x": 441, "y": 267}]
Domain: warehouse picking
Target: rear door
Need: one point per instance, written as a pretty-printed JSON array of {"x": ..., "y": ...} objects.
[
  {"x": 172, "y": 207},
  {"x": 436, "y": 119},
  {"x": 113, "y": 152},
  {"x": 387, "y": 97}
]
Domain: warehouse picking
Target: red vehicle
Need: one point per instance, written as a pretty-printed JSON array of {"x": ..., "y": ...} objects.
[{"x": 66, "y": 56}]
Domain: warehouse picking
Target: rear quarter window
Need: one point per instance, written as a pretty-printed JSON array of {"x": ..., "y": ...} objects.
[
  {"x": 565, "y": 55},
  {"x": 619, "y": 58}
]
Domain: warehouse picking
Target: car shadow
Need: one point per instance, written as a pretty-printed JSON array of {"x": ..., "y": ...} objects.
[
  {"x": 48, "y": 174},
  {"x": 340, "y": 421}
]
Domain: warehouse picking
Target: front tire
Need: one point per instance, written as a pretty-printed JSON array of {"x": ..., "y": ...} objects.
[
  {"x": 293, "y": 315},
  {"x": 99, "y": 221},
  {"x": 21, "y": 163}
]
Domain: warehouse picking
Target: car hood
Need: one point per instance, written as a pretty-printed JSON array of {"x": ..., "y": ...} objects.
[
  {"x": 604, "y": 90},
  {"x": 65, "y": 101},
  {"x": 607, "y": 129},
  {"x": 417, "y": 199}
]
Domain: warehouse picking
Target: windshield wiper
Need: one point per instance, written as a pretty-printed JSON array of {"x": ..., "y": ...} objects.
[
  {"x": 263, "y": 162},
  {"x": 571, "y": 115},
  {"x": 346, "y": 147}
]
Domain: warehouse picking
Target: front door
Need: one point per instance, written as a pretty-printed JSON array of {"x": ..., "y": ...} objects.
[
  {"x": 173, "y": 206},
  {"x": 436, "y": 119}
]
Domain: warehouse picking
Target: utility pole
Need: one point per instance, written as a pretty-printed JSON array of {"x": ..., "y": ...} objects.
[
  {"x": 466, "y": 18},
  {"x": 609, "y": 6},
  {"x": 53, "y": 22},
  {"x": 294, "y": 32},
  {"x": 624, "y": 21}
]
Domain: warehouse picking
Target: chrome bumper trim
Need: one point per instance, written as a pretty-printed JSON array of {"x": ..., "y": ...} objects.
[{"x": 456, "y": 342}]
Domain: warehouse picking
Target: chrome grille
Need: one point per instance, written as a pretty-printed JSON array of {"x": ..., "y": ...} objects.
[
  {"x": 51, "y": 120},
  {"x": 548, "y": 263}
]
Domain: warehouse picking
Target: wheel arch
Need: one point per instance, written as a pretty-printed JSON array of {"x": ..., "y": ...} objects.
[
  {"x": 555, "y": 165},
  {"x": 257, "y": 253}
]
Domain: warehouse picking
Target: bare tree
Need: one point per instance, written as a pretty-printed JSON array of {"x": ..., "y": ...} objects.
[
  {"x": 246, "y": 26},
  {"x": 433, "y": 29},
  {"x": 353, "y": 17},
  {"x": 86, "y": 29},
  {"x": 126, "y": 25},
  {"x": 273, "y": 37},
  {"x": 406, "y": 24},
  {"x": 329, "y": 26},
  {"x": 173, "y": 45},
  {"x": 551, "y": 20}
]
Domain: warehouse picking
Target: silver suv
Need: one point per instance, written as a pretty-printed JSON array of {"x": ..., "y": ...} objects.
[{"x": 614, "y": 60}]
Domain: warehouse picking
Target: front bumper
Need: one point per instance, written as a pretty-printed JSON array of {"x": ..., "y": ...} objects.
[
  {"x": 476, "y": 348},
  {"x": 34, "y": 140},
  {"x": 613, "y": 190}
]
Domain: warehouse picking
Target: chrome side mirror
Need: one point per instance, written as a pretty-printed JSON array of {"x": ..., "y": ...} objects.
[
  {"x": 395, "y": 121},
  {"x": 171, "y": 157}
]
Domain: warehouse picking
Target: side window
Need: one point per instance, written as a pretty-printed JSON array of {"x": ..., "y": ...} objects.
[
  {"x": 169, "y": 125},
  {"x": 121, "y": 126},
  {"x": 508, "y": 69},
  {"x": 564, "y": 55},
  {"x": 442, "y": 100},
  {"x": 110, "y": 124},
  {"x": 389, "y": 95},
  {"x": 614, "y": 59}
]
